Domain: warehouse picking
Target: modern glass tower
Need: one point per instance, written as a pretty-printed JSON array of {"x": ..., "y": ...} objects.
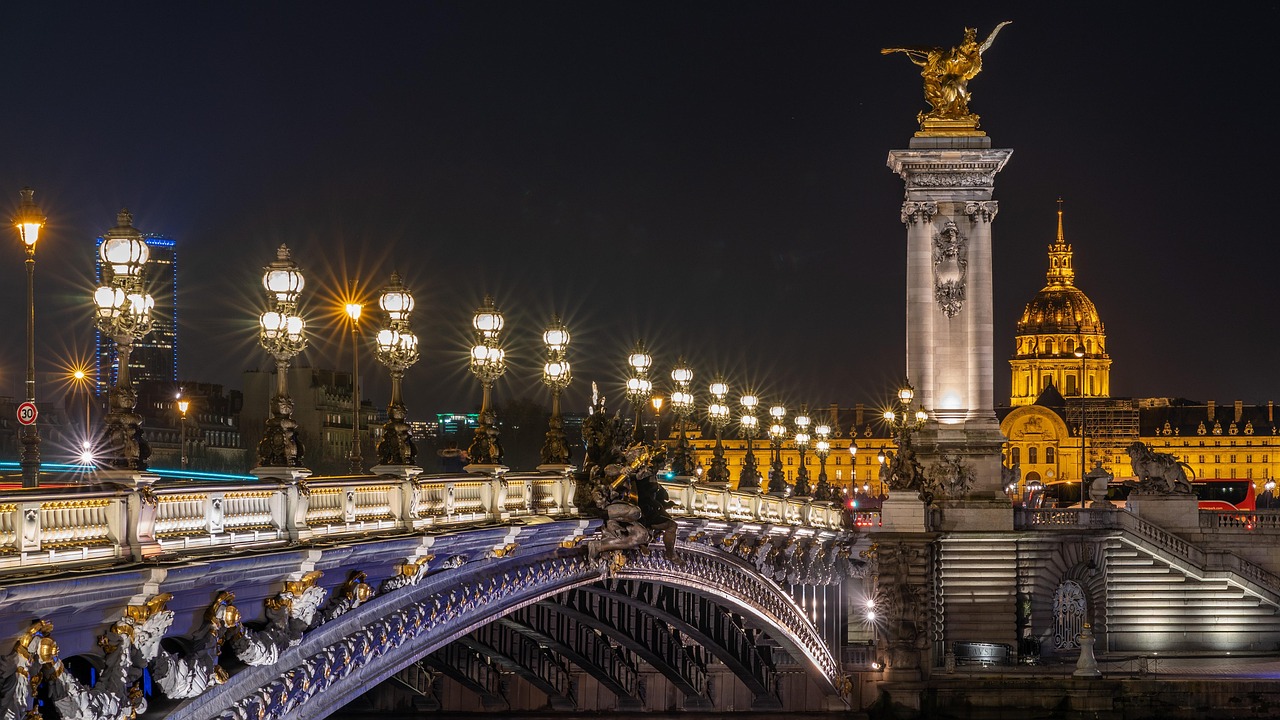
[{"x": 155, "y": 356}]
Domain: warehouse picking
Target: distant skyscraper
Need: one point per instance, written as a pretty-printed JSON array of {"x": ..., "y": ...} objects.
[{"x": 154, "y": 357}]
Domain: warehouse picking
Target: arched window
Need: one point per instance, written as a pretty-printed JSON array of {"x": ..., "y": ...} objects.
[{"x": 1048, "y": 346}]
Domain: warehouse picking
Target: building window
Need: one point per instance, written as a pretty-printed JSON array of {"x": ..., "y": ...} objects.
[
  {"x": 1031, "y": 455},
  {"x": 1201, "y": 460},
  {"x": 1016, "y": 454},
  {"x": 1048, "y": 455}
]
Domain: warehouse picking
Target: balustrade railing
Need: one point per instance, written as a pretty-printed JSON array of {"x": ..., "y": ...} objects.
[{"x": 156, "y": 516}]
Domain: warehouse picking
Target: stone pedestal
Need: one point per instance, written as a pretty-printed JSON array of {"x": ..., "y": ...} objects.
[
  {"x": 903, "y": 511},
  {"x": 273, "y": 472},
  {"x": 1178, "y": 514}
]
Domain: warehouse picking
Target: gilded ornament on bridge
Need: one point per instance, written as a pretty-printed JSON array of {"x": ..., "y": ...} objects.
[{"x": 946, "y": 73}]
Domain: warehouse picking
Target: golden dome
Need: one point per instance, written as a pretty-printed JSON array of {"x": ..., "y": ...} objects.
[{"x": 1060, "y": 307}]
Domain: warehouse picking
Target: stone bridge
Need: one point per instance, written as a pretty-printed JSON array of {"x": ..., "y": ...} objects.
[{"x": 288, "y": 599}]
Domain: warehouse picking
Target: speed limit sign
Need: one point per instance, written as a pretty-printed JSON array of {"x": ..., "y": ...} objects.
[{"x": 27, "y": 413}]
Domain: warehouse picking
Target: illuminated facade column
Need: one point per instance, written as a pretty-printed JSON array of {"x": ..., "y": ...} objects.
[{"x": 947, "y": 212}]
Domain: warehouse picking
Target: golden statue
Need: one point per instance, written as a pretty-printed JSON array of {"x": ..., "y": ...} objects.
[{"x": 946, "y": 73}]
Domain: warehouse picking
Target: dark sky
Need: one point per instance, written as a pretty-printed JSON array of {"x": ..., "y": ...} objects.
[{"x": 707, "y": 176}]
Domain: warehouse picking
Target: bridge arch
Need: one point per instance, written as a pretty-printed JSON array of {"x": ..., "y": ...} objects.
[{"x": 339, "y": 660}]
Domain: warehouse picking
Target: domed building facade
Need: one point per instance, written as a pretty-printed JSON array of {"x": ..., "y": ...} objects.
[
  {"x": 1062, "y": 419},
  {"x": 1060, "y": 339}
]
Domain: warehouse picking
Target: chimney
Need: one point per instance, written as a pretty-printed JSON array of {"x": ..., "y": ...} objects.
[
  {"x": 1270, "y": 417},
  {"x": 1212, "y": 405},
  {"x": 857, "y": 414},
  {"x": 834, "y": 412},
  {"x": 1239, "y": 410}
]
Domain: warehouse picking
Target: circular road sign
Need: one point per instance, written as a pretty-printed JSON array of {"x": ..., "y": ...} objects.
[{"x": 27, "y": 413}]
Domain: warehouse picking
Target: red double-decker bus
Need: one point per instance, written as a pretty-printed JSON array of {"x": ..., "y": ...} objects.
[
  {"x": 1226, "y": 494},
  {"x": 1213, "y": 493}
]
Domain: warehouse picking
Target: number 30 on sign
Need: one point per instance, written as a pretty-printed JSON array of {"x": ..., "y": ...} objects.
[{"x": 27, "y": 413}]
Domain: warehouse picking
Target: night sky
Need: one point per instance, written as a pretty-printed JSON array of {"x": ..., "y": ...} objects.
[{"x": 707, "y": 176}]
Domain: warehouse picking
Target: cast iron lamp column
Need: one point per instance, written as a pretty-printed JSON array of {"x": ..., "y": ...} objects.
[
  {"x": 1079, "y": 352},
  {"x": 657, "y": 401},
  {"x": 718, "y": 416},
  {"x": 353, "y": 312},
  {"x": 682, "y": 403},
  {"x": 556, "y": 374},
  {"x": 904, "y": 471},
  {"x": 281, "y": 335},
  {"x": 397, "y": 349},
  {"x": 822, "y": 448},
  {"x": 183, "y": 406},
  {"x": 777, "y": 433},
  {"x": 29, "y": 220},
  {"x": 639, "y": 386},
  {"x": 748, "y": 424},
  {"x": 802, "y": 438},
  {"x": 124, "y": 315},
  {"x": 488, "y": 363}
]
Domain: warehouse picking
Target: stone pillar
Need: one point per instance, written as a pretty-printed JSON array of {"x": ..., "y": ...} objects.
[{"x": 948, "y": 213}]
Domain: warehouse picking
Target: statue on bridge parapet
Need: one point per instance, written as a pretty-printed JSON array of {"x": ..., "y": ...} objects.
[{"x": 1158, "y": 473}]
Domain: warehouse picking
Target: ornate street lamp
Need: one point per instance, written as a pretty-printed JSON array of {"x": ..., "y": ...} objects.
[
  {"x": 639, "y": 386},
  {"x": 556, "y": 374},
  {"x": 353, "y": 311},
  {"x": 903, "y": 471},
  {"x": 748, "y": 425},
  {"x": 397, "y": 349},
  {"x": 718, "y": 416},
  {"x": 682, "y": 403},
  {"x": 123, "y": 313},
  {"x": 488, "y": 363},
  {"x": 777, "y": 433},
  {"x": 802, "y": 422},
  {"x": 28, "y": 221},
  {"x": 281, "y": 335},
  {"x": 183, "y": 405},
  {"x": 822, "y": 448}
]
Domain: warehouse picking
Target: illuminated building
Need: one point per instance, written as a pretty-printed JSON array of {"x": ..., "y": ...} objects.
[{"x": 1062, "y": 418}]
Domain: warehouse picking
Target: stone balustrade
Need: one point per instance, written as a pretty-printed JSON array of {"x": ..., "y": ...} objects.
[{"x": 151, "y": 516}]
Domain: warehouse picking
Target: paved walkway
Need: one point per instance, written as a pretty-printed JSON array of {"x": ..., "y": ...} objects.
[{"x": 1157, "y": 666}]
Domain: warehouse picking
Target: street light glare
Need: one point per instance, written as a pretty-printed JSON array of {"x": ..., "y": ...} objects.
[{"x": 353, "y": 310}]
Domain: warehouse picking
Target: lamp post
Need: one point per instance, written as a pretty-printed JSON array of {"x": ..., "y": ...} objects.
[
  {"x": 777, "y": 433},
  {"x": 656, "y": 401},
  {"x": 29, "y": 220},
  {"x": 281, "y": 335},
  {"x": 802, "y": 422},
  {"x": 639, "y": 386},
  {"x": 556, "y": 374},
  {"x": 488, "y": 363},
  {"x": 682, "y": 403},
  {"x": 397, "y": 349},
  {"x": 183, "y": 405},
  {"x": 903, "y": 471},
  {"x": 80, "y": 378},
  {"x": 748, "y": 424},
  {"x": 718, "y": 416},
  {"x": 822, "y": 448},
  {"x": 853, "y": 461},
  {"x": 353, "y": 312},
  {"x": 124, "y": 315},
  {"x": 1079, "y": 352}
]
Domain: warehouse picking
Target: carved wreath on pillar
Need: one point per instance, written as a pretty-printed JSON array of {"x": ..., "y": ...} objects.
[{"x": 950, "y": 265}]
